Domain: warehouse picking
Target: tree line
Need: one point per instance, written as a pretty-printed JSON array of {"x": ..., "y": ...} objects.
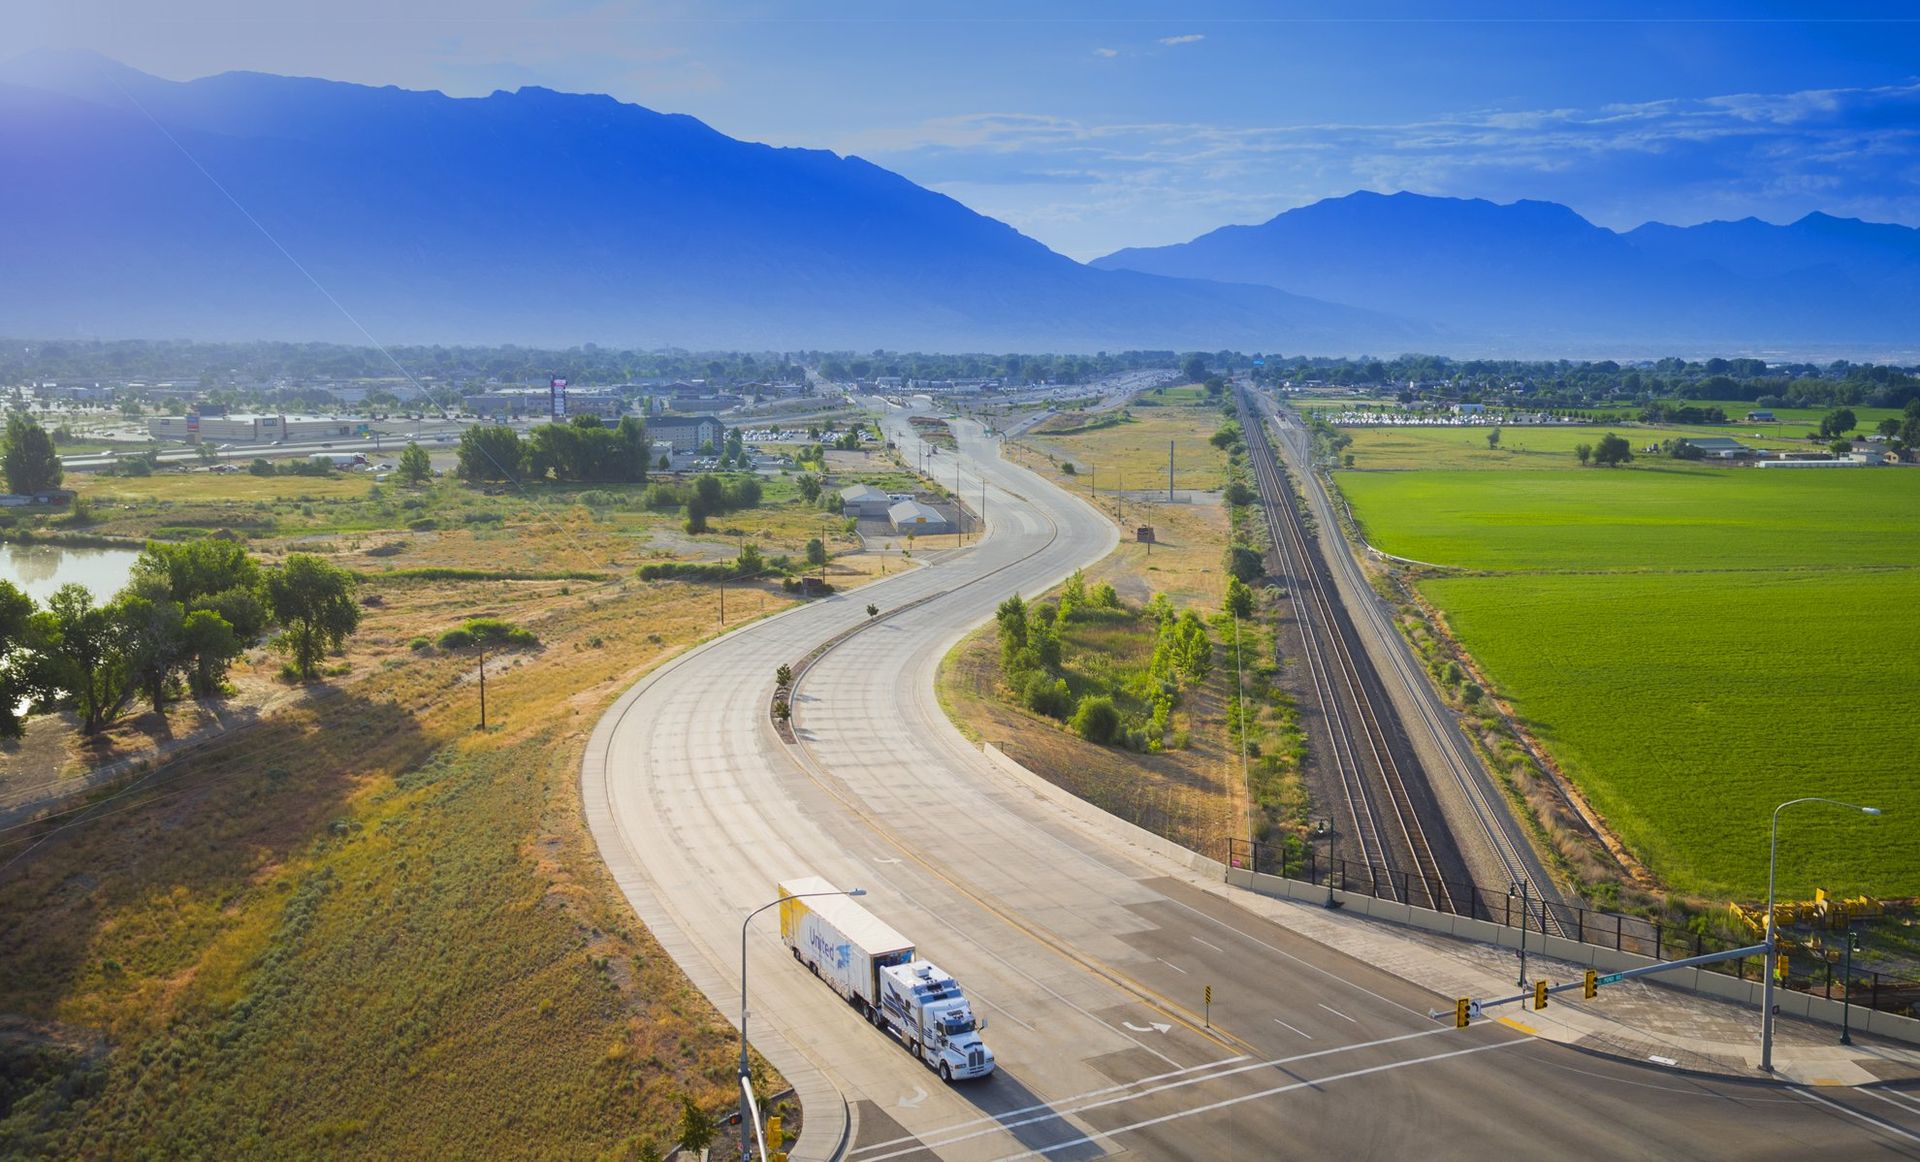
[
  {"x": 582, "y": 449},
  {"x": 187, "y": 612}
]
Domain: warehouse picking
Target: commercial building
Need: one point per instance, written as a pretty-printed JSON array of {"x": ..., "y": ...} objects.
[
  {"x": 1718, "y": 447},
  {"x": 245, "y": 428},
  {"x": 912, "y": 516},
  {"x": 687, "y": 433}
]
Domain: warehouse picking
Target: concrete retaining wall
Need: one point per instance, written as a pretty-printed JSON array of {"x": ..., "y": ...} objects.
[{"x": 1699, "y": 980}]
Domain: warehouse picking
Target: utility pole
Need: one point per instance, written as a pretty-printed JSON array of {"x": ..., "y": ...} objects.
[
  {"x": 483, "y": 687},
  {"x": 1169, "y": 471}
]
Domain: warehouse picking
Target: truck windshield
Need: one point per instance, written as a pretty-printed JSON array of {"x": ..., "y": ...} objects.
[{"x": 957, "y": 1023}]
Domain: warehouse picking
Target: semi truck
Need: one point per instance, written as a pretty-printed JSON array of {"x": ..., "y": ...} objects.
[
  {"x": 876, "y": 970},
  {"x": 339, "y": 459}
]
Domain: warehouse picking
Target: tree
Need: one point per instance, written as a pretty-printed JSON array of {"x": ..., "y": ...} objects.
[
  {"x": 810, "y": 487},
  {"x": 491, "y": 452},
  {"x": 1841, "y": 447},
  {"x": 697, "y": 1128},
  {"x": 1243, "y": 562},
  {"x": 415, "y": 466},
  {"x": 209, "y": 647},
  {"x": 1096, "y": 720},
  {"x": 783, "y": 676},
  {"x": 312, "y": 600},
  {"x": 31, "y": 463},
  {"x": 1583, "y": 453},
  {"x": 1239, "y": 598},
  {"x": 873, "y": 610},
  {"x": 1889, "y": 427},
  {"x": 1837, "y": 422},
  {"x": 1194, "y": 369},
  {"x": 1493, "y": 438},
  {"x": 153, "y": 638},
  {"x": 16, "y": 609},
  {"x": 1612, "y": 451},
  {"x": 816, "y": 552},
  {"x": 79, "y": 657}
]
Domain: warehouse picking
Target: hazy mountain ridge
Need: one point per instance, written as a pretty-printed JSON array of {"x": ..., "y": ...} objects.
[
  {"x": 1539, "y": 269},
  {"x": 536, "y": 216}
]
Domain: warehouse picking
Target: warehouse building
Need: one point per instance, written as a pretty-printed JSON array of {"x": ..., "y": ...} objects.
[
  {"x": 245, "y": 428},
  {"x": 864, "y": 500},
  {"x": 912, "y": 516}
]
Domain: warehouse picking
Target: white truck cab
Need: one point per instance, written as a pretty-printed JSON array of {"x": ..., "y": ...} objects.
[{"x": 927, "y": 1010}]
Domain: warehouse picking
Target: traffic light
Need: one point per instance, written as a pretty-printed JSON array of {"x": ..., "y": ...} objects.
[
  {"x": 1539, "y": 994},
  {"x": 1593, "y": 984},
  {"x": 1460, "y": 1012}
]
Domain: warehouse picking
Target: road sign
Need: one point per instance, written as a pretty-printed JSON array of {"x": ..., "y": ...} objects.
[
  {"x": 1610, "y": 978},
  {"x": 1473, "y": 1009}
]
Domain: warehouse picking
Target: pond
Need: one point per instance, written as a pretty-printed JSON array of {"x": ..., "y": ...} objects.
[{"x": 40, "y": 569}]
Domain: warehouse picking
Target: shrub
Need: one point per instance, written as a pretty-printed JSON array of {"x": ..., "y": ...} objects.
[
  {"x": 423, "y": 524},
  {"x": 420, "y": 645},
  {"x": 1096, "y": 720},
  {"x": 1046, "y": 694}
]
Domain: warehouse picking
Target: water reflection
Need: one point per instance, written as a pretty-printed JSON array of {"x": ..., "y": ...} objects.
[{"x": 41, "y": 569}]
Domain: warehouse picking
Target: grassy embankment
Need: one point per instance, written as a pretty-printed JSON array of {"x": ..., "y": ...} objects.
[
  {"x": 359, "y": 924},
  {"x": 1193, "y": 789},
  {"x": 1693, "y": 645}
]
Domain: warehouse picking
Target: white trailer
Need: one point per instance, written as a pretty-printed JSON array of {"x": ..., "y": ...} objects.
[{"x": 874, "y": 969}]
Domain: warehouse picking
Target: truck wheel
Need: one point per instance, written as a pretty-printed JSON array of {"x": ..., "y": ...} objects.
[
  {"x": 913, "y": 1047},
  {"x": 946, "y": 1074}
]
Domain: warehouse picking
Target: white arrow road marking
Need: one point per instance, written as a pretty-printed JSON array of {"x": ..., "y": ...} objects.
[
  {"x": 907, "y": 1103},
  {"x": 1151, "y": 1027}
]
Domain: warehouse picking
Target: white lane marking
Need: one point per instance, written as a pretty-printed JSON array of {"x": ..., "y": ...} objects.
[
  {"x": 907, "y": 1103},
  {"x": 1204, "y": 943},
  {"x": 1904, "y": 1103},
  {"x": 1150, "y": 1027},
  {"x": 1061, "y": 1109},
  {"x": 1172, "y": 965},
  {"x": 1277, "y": 1090},
  {"x": 877, "y": 859},
  {"x": 1338, "y": 1013},
  {"x": 1302, "y": 1032},
  {"x": 1047, "y": 1105},
  {"x": 1880, "y": 1124}
]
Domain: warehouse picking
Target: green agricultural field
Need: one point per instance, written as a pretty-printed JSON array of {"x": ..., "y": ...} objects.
[
  {"x": 1376, "y": 449},
  {"x": 1673, "y": 518},
  {"x": 1694, "y": 645},
  {"x": 1687, "y": 706}
]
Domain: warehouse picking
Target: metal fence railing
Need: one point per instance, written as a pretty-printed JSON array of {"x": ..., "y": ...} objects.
[{"x": 1808, "y": 969}]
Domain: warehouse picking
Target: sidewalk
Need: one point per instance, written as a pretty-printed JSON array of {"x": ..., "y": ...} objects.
[{"x": 1635, "y": 1019}]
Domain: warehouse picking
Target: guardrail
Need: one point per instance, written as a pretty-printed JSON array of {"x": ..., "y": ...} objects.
[{"x": 1807, "y": 970}]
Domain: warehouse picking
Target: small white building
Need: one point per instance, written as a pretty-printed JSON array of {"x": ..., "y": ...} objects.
[{"x": 912, "y": 516}]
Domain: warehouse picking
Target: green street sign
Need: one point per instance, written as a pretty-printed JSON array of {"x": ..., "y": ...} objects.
[{"x": 1610, "y": 978}]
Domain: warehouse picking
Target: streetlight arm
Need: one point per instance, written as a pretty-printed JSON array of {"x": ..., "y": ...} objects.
[
  {"x": 1767, "y": 970},
  {"x": 744, "y": 1128}
]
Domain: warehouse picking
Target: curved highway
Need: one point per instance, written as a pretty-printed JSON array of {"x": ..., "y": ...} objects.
[{"x": 1089, "y": 953}]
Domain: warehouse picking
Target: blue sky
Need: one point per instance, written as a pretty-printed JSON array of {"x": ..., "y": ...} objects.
[{"x": 1098, "y": 125}]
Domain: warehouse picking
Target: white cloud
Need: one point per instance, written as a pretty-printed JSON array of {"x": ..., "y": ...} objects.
[
  {"x": 1189, "y": 38},
  {"x": 1778, "y": 156},
  {"x": 1106, "y": 52}
]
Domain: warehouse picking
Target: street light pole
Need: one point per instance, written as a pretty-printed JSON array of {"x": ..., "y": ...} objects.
[
  {"x": 1522, "y": 890},
  {"x": 1773, "y": 863},
  {"x": 1846, "y": 988},
  {"x": 746, "y": 1125}
]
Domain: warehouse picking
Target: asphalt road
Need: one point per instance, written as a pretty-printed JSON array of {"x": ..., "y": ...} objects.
[{"x": 1088, "y": 958}]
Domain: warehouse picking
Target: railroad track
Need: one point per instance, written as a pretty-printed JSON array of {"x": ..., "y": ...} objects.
[
  {"x": 1369, "y": 771},
  {"x": 1490, "y": 816}
]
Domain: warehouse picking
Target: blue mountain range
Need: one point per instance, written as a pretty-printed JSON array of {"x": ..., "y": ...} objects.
[
  {"x": 254, "y": 206},
  {"x": 1537, "y": 277}
]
